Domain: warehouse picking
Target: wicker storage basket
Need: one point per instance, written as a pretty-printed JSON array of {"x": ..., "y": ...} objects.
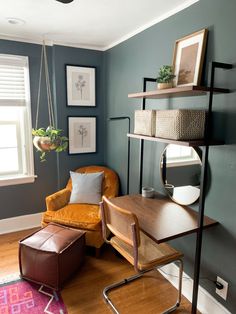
[
  {"x": 144, "y": 122},
  {"x": 182, "y": 124}
]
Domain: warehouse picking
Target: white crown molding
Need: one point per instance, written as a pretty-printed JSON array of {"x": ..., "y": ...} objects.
[
  {"x": 207, "y": 304},
  {"x": 25, "y": 40},
  {"x": 20, "y": 223},
  {"x": 90, "y": 47},
  {"x": 49, "y": 42},
  {"x": 161, "y": 18}
]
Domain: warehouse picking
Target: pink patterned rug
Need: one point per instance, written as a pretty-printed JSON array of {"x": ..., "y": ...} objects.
[{"x": 23, "y": 297}]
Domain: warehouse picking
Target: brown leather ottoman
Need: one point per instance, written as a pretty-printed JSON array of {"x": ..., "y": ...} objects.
[{"x": 51, "y": 255}]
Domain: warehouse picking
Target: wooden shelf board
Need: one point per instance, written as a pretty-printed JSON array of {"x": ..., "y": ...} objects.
[
  {"x": 192, "y": 143},
  {"x": 178, "y": 92}
]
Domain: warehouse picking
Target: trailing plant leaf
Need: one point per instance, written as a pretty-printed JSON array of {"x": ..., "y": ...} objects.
[
  {"x": 39, "y": 132},
  {"x": 42, "y": 156}
]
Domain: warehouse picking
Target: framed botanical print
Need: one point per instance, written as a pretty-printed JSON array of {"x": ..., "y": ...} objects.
[
  {"x": 82, "y": 135},
  {"x": 188, "y": 58},
  {"x": 81, "y": 87}
]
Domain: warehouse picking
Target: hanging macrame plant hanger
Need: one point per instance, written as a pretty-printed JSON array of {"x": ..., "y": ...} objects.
[
  {"x": 44, "y": 61},
  {"x": 50, "y": 138}
]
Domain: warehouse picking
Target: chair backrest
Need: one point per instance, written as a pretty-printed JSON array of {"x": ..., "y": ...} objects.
[
  {"x": 110, "y": 185},
  {"x": 121, "y": 222}
]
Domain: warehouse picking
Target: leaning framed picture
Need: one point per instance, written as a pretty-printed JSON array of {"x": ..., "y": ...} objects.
[
  {"x": 82, "y": 135},
  {"x": 189, "y": 53},
  {"x": 81, "y": 87}
]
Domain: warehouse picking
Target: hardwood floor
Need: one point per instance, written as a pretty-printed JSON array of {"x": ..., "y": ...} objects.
[{"x": 83, "y": 293}]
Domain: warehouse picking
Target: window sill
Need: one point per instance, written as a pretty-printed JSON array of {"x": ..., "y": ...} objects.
[
  {"x": 182, "y": 163},
  {"x": 17, "y": 180}
]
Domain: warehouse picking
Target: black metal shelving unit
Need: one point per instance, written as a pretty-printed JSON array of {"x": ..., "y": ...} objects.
[{"x": 182, "y": 92}]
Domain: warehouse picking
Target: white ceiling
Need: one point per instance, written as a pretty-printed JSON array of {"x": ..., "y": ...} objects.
[{"x": 96, "y": 24}]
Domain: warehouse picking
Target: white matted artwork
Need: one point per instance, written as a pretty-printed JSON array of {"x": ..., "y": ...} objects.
[
  {"x": 80, "y": 86},
  {"x": 82, "y": 135},
  {"x": 188, "y": 58}
]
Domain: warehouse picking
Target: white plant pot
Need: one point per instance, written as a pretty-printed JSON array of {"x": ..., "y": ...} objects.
[{"x": 43, "y": 144}]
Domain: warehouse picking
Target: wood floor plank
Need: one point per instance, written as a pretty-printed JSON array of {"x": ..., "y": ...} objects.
[{"x": 83, "y": 293}]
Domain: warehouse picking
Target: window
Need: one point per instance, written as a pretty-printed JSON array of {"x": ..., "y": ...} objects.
[
  {"x": 16, "y": 152},
  {"x": 181, "y": 156}
]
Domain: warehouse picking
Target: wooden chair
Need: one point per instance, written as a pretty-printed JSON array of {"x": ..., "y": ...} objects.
[{"x": 140, "y": 250}]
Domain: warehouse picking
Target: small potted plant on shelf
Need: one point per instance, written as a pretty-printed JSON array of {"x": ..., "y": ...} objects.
[
  {"x": 46, "y": 140},
  {"x": 165, "y": 77}
]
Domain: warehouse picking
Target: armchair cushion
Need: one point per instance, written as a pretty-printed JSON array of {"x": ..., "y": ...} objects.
[
  {"x": 80, "y": 216},
  {"x": 86, "y": 187},
  {"x": 110, "y": 184}
]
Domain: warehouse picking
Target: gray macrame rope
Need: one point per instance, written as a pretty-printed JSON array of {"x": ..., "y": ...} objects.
[
  {"x": 39, "y": 89},
  {"x": 44, "y": 62},
  {"x": 50, "y": 105}
]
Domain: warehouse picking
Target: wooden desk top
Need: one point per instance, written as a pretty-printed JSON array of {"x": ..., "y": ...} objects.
[{"x": 160, "y": 218}]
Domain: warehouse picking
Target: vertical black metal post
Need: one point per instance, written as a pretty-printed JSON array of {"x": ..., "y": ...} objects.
[
  {"x": 143, "y": 107},
  {"x": 164, "y": 167},
  {"x": 141, "y": 143},
  {"x": 128, "y": 161},
  {"x": 197, "y": 264}
]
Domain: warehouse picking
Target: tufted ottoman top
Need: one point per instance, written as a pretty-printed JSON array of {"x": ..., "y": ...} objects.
[{"x": 52, "y": 238}]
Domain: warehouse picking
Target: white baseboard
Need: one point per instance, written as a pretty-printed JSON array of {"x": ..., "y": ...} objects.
[
  {"x": 206, "y": 303},
  {"x": 20, "y": 223}
]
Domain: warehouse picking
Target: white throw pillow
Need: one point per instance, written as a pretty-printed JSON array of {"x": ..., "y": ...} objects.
[{"x": 86, "y": 187}]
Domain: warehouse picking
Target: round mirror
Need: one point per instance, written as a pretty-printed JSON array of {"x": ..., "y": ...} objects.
[{"x": 180, "y": 172}]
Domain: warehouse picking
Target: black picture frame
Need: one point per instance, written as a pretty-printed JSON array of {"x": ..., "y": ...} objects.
[
  {"x": 81, "y": 85},
  {"x": 82, "y": 134}
]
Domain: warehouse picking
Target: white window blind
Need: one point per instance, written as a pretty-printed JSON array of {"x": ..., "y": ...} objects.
[
  {"x": 16, "y": 154},
  {"x": 13, "y": 81}
]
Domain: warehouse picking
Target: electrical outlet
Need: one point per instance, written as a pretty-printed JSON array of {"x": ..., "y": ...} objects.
[{"x": 223, "y": 292}]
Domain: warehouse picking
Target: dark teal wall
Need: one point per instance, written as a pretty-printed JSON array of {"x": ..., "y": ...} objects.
[
  {"x": 26, "y": 199},
  {"x": 84, "y": 57},
  {"x": 142, "y": 56}
]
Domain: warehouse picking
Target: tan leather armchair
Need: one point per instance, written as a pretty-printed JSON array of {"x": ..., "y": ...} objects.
[{"x": 85, "y": 217}]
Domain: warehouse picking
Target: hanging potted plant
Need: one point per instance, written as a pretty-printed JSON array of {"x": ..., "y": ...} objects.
[
  {"x": 50, "y": 138},
  {"x": 46, "y": 140},
  {"x": 165, "y": 77}
]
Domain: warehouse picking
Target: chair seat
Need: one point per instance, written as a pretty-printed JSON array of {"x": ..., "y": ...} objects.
[
  {"x": 150, "y": 253},
  {"x": 81, "y": 216}
]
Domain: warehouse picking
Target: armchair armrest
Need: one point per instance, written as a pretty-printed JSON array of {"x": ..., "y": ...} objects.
[{"x": 58, "y": 200}]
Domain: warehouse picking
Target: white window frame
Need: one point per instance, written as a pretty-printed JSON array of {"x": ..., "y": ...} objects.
[
  {"x": 192, "y": 159},
  {"x": 19, "y": 146},
  {"x": 26, "y": 147}
]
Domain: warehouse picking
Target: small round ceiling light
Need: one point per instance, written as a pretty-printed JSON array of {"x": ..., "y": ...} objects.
[
  {"x": 65, "y": 1},
  {"x": 15, "y": 21}
]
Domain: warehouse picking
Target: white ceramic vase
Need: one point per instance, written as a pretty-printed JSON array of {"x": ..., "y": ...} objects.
[{"x": 43, "y": 143}]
